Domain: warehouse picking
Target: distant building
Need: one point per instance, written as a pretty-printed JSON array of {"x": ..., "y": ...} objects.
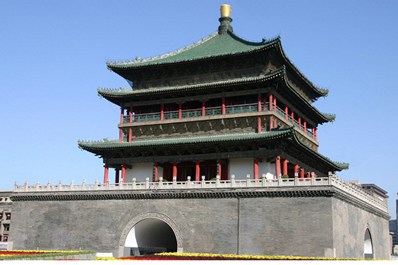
[
  {"x": 5, "y": 219},
  {"x": 394, "y": 231},
  {"x": 217, "y": 152}
]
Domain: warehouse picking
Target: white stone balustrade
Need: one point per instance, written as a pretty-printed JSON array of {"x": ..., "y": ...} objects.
[{"x": 232, "y": 183}]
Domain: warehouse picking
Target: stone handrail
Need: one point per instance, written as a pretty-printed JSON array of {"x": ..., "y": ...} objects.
[
  {"x": 358, "y": 192},
  {"x": 232, "y": 183}
]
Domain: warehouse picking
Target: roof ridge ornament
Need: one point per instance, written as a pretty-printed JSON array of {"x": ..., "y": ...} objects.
[{"x": 225, "y": 19}]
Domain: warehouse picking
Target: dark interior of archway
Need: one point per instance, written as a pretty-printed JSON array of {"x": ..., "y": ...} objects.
[{"x": 154, "y": 235}]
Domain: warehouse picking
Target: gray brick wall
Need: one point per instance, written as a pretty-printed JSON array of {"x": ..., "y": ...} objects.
[{"x": 307, "y": 226}]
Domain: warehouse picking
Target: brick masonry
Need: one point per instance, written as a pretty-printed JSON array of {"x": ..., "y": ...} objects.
[{"x": 246, "y": 223}]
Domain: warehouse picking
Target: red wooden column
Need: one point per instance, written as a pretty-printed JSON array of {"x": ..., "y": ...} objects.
[
  {"x": 308, "y": 175},
  {"x": 285, "y": 167},
  {"x": 223, "y": 109},
  {"x": 174, "y": 169},
  {"x": 117, "y": 172},
  {"x": 180, "y": 110},
  {"x": 305, "y": 126},
  {"x": 270, "y": 102},
  {"x": 278, "y": 166},
  {"x": 255, "y": 169},
  {"x": 203, "y": 108},
  {"x": 130, "y": 135},
  {"x": 286, "y": 113},
  {"x": 155, "y": 172},
  {"x": 301, "y": 173},
  {"x": 259, "y": 102},
  {"x": 161, "y": 111},
  {"x": 131, "y": 114},
  {"x": 296, "y": 170},
  {"x": 106, "y": 174},
  {"x": 259, "y": 129},
  {"x": 292, "y": 115},
  {"x": 313, "y": 133},
  {"x": 299, "y": 121},
  {"x": 197, "y": 171},
  {"x": 121, "y": 121},
  {"x": 123, "y": 173}
]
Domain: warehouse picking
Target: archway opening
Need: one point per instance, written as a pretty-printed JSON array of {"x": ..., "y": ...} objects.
[
  {"x": 368, "y": 246},
  {"x": 150, "y": 236}
]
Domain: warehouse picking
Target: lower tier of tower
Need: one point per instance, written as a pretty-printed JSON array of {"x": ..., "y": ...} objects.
[{"x": 240, "y": 168}]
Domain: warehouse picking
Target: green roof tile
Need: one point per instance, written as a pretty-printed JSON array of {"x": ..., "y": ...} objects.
[
  {"x": 183, "y": 140},
  {"x": 100, "y": 146},
  {"x": 211, "y": 46},
  {"x": 114, "y": 95}
]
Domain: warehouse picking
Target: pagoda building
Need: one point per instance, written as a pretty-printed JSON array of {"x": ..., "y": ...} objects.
[
  {"x": 221, "y": 107},
  {"x": 217, "y": 153}
]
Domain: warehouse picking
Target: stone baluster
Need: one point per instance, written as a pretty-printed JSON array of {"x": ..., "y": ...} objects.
[
  {"x": 146, "y": 183},
  {"x": 217, "y": 181},
  {"x": 247, "y": 180},
  {"x": 134, "y": 183},
  {"x": 280, "y": 182}
]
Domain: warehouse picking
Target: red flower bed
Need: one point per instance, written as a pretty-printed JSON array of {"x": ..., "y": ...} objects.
[
  {"x": 42, "y": 254},
  {"x": 7, "y": 252}
]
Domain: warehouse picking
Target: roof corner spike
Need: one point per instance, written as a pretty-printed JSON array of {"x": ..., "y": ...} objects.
[{"x": 225, "y": 19}]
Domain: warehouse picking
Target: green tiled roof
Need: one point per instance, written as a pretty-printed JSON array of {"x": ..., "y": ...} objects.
[
  {"x": 99, "y": 147},
  {"x": 122, "y": 92},
  {"x": 118, "y": 95},
  {"x": 211, "y": 46}
]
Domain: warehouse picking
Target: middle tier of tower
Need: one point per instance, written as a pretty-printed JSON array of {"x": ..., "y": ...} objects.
[{"x": 223, "y": 114}]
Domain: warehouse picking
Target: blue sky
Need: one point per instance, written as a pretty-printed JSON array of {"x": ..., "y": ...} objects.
[{"x": 53, "y": 56}]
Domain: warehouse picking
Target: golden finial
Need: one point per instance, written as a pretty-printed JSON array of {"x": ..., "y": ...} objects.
[{"x": 225, "y": 10}]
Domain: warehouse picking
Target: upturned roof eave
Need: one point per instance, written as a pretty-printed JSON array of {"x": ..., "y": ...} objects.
[
  {"x": 320, "y": 92},
  {"x": 100, "y": 147},
  {"x": 323, "y": 117},
  {"x": 121, "y": 93},
  {"x": 97, "y": 146},
  {"x": 337, "y": 166}
]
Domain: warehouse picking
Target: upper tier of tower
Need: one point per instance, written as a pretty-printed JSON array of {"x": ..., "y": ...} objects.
[{"x": 222, "y": 56}]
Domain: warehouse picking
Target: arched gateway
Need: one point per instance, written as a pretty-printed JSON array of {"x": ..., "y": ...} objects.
[
  {"x": 368, "y": 246},
  {"x": 149, "y": 233}
]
